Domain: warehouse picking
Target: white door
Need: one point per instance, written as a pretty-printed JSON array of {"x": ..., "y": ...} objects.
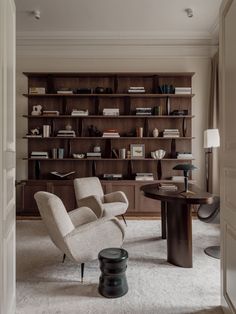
[
  {"x": 7, "y": 157},
  {"x": 228, "y": 154}
]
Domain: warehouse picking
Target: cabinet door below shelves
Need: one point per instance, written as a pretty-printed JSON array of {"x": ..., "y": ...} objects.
[
  {"x": 128, "y": 189},
  {"x": 26, "y": 204}
]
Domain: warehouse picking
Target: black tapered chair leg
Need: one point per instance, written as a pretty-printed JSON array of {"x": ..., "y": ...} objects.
[
  {"x": 63, "y": 259},
  {"x": 124, "y": 219},
  {"x": 82, "y": 272}
]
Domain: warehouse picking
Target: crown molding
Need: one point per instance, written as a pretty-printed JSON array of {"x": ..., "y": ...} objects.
[{"x": 113, "y": 45}]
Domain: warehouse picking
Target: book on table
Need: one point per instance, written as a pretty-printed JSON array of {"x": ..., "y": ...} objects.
[{"x": 167, "y": 187}]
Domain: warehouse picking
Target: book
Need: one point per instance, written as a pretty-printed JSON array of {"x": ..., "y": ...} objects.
[
  {"x": 51, "y": 112},
  {"x": 144, "y": 178},
  {"x": 144, "y": 174},
  {"x": 92, "y": 154},
  {"x": 115, "y": 153},
  {"x": 79, "y": 112},
  {"x": 37, "y": 90},
  {"x": 167, "y": 187},
  {"x": 62, "y": 175}
]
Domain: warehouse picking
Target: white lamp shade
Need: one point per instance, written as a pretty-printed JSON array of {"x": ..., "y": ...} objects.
[{"x": 211, "y": 138}]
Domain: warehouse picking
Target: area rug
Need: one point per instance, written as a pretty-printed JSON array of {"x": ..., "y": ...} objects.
[{"x": 47, "y": 286}]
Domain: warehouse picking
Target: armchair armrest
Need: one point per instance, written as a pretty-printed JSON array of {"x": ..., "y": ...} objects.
[
  {"x": 86, "y": 241},
  {"x": 93, "y": 202},
  {"x": 117, "y": 196},
  {"x": 82, "y": 215}
]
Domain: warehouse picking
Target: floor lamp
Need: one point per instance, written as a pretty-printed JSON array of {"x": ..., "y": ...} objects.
[{"x": 211, "y": 139}]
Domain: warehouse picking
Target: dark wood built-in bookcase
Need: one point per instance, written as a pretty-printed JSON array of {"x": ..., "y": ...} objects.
[{"x": 115, "y": 96}]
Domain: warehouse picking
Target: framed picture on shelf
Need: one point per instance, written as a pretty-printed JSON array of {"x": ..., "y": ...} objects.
[{"x": 137, "y": 151}]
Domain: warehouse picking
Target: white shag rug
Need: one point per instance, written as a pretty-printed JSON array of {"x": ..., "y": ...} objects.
[{"x": 46, "y": 286}]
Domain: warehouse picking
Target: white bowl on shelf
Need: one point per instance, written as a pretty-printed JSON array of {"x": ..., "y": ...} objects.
[
  {"x": 79, "y": 156},
  {"x": 160, "y": 153}
]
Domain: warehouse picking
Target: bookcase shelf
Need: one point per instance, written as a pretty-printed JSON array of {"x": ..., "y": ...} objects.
[{"x": 126, "y": 123}]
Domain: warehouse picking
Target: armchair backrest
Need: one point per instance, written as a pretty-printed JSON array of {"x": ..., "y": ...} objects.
[
  {"x": 88, "y": 186},
  {"x": 55, "y": 217}
]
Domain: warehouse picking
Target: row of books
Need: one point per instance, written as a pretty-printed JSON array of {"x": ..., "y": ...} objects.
[
  {"x": 136, "y": 89},
  {"x": 93, "y": 155},
  {"x": 184, "y": 155},
  {"x": 81, "y": 112},
  {"x": 171, "y": 133},
  {"x": 144, "y": 176},
  {"x": 111, "y": 111},
  {"x": 39, "y": 155},
  {"x": 66, "y": 133},
  {"x": 144, "y": 111},
  {"x": 183, "y": 90},
  {"x": 111, "y": 133}
]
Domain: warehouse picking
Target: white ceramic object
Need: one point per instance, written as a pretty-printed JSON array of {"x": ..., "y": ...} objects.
[
  {"x": 155, "y": 132},
  {"x": 37, "y": 110},
  {"x": 160, "y": 153},
  {"x": 153, "y": 155},
  {"x": 79, "y": 156}
]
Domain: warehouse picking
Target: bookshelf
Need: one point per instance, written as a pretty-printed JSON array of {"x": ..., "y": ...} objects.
[{"x": 126, "y": 123}]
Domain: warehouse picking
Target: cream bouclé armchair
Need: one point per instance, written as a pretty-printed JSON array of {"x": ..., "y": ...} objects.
[
  {"x": 79, "y": 234},
  {"x": 89, "y": 192}
]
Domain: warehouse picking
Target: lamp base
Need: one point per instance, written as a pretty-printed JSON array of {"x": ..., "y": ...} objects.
[{"x": 186, "y": 193}]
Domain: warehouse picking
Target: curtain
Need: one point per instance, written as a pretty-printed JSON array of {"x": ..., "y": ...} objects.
[{"x": 213, "y": 123}]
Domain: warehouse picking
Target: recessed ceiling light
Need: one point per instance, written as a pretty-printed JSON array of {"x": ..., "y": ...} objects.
[
  {"x": 189, "y": 12},
  {"x": 36, "y": 14}
]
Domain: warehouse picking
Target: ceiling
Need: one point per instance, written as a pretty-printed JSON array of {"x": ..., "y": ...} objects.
[{"x": 141, "y": 18}]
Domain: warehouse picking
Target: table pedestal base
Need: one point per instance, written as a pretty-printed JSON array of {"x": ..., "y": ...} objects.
[{"x": 179, "y": 234}]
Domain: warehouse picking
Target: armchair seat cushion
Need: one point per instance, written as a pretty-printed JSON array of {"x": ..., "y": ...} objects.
[{"x": 114, "y": 209}]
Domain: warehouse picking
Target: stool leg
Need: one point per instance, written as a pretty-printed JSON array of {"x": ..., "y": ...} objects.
[
  {"x": 82, "y": 272},
  {"x": 63, "y": 259},
  {"x": 124, "y": 219}
]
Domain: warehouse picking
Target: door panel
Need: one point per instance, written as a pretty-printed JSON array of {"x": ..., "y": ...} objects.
[
  {"x": 228, "y": 154},
  {"x": 7, "y": 157}
]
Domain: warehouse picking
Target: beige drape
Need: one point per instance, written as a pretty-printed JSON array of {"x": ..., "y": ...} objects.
[{"x": 213, "y": 123}]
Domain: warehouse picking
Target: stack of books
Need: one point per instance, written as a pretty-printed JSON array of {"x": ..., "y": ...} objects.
[
  {"x": 111, "y": 111},
  {"x": 110, "y": 133},
  {"x": 51, "y": 113},
  {"x": 171, "y": 133},
  {"x": 183, "y": 90},
  {"x": 37, "y": 90},
  {"x": 65, "y": 91},
  {"x": 136, "y": 89},
  {"x": 167, "y": 187},
  {"x": 144, "y": 176},
  {"x": 91, "y": 155},
  {"x": 82, "y": 112},
  {"x": 184, "y": 156},
  {"x": 112, "y": 176},
  {"x": 39, "y": 155},
  {"x": 66, "y": 133},
  {"x": 143, "y": 111}
]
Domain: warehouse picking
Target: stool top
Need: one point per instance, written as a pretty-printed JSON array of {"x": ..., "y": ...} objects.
[{"x": 113, "y": 254}]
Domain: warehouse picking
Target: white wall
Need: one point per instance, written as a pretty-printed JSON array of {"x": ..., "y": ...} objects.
[{"x": 201, "y": 82}]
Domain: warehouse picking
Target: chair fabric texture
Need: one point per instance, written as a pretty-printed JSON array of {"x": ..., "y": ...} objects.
[
  {"x": 89, "y": 192},
  {"x": 79, "y": 234}
]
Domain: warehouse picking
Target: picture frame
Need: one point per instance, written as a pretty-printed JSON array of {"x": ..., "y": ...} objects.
[{"x": 137, "y": 151}]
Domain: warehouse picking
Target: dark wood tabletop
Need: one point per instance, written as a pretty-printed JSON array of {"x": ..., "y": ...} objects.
[{"x": 196, "y": 197}]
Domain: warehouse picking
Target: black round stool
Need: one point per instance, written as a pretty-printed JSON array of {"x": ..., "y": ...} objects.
[{"x": 113, "y": 264}]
